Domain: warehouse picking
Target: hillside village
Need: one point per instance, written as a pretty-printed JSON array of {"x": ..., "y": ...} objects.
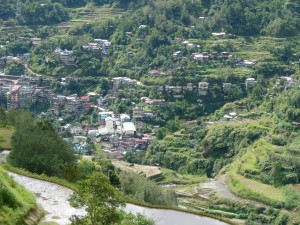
[
  {"x": 205, "y": 93},
  {"x": 117, "y": 133}
]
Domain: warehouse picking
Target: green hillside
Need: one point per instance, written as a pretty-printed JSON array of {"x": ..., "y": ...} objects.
[
  {"x": 16, "y": 203},
  {"x": 168, "y": 45}
]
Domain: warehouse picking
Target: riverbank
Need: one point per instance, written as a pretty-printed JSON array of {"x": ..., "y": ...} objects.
[{"x": 132, "y": 201}]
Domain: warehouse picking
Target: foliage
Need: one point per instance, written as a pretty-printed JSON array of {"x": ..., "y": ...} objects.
[
  {"x": 101, "y": 200},
  {"x": 41, "y": 150},
  {"x": 43, "y": 13},
  {"x": 15, "y": 201},
  {"x": 15, "y": 69},
  {"x": 138, "y": 219},
  {"x": 146, "y": 190}
]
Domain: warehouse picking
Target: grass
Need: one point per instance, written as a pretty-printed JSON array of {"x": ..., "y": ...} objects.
[
  {"x": 255, "y": 190},
  {"x": 171, "y": 177},
  {"x": 25, "y": 201},
  {"x": 5, "y": 137},
  {"x": 249, "y": 188},
  {"x": 44, "y": 177}
]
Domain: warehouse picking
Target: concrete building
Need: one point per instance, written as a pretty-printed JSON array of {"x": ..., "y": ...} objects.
[
  {"x": 203, "y": 88},
  {"x": 250, "y": 82},
  {"x": 128, "y": 129}
]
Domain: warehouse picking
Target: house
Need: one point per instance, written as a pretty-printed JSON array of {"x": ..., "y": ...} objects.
[
  {"x": 188, "y": 87},
  {"x": 128, "y": 129},
  {"x": 249, "y": 63},
  {"x": 250, "y": 82},
  {"x": 66, "y": 56},
  {"x": 203, "y": 88},
  {"x": 124, "y": 118},
  {"x": 104, "y": 115},
  {"x": 137, "y": 113},
  {"x": 92, "y": 46},
  {"x": 102, "y": 43},
  {"x": 175, "y": 89},
  {"x": 3, "y": 155},
  {"x": 76, "y": 130},
  {"x": 129, "y": 34},
  {"x": 228, "y": 117},
  {"x": 143, "y": 26},
  {"x": 219, "y": 34},
  {"x": 85, "y": 98},
  {"x": 286, "y": 82},
  {"x": 226, "y": 86},
  {"x": 225, "y": 55},
  {"x": 177, "y": 54},
  {"x": 35, "y": 41},
  {"x": 110, "y": 124},
  {"x": 158, "y": 102},
  {"x": 200, "y": 57}
]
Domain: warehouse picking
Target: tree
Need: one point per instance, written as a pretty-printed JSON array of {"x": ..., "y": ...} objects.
[
  {"x": 37, "y": 147},
  {"x": 101, "y": 200},
  {"x": 3, "y": 117}
]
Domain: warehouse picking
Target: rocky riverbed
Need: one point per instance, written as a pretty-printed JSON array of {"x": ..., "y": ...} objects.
[{"x": 52, "y": 197}]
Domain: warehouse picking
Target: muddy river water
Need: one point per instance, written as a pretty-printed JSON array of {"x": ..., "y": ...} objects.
[{"x": 54, "y": 200}]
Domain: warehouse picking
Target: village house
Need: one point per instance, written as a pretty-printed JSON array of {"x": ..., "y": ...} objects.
[
  {"x": 66, "y": 56},
  {"x": 137, "y": 113},
  {"x": 177, "y": 54},
  {"x": 120, "y": 81},
  {"x": 103, "y": 43},
  {"x": 92, "y": 46},
  {"x": 250, "y": 82},
  {"x": 105, "y": 114},
  {"x": 188, "y": 88},
  {"x": 226, "y": 86},
  {"x": 203, "y": 88},
  {"x": 200, "y": 57},
  {"x": 286, "y": 82},
  {"x": 128, "y": 129},
  {"x": 248, "y": 63},
  {"x": 219, "y": 34},
  {"x": 174, "y": 90},
  {"x": 35, "y": 41}
]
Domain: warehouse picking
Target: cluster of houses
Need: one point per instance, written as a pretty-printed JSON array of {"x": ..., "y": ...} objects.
[
  {"x": 285, "y": 82},
  {"x": 98, "y": 45},
  {"x": 206, "y": 56},
  {"x": 124, "y": 81},
  {"x": 25, "y": 91},
  {"x": 66, "y": 56},
  {"x": 116, "y": 133},
  {"x": 121, "y": 134},
  {"x": 72, "y": 104}
]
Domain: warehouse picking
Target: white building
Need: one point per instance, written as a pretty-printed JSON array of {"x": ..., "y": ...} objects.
[
  {"x": 250, "y": 82},
  {"x": 129, "y": 129}
]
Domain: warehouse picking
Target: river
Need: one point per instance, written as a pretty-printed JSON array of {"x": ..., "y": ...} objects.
[{"x": 54, "y": 199}]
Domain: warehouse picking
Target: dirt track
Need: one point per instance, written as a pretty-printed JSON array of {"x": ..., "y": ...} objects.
[{"x": 220, "y": 187}]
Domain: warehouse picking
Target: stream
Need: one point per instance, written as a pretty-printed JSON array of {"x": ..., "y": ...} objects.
[{"x": 54, "y": 200}]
